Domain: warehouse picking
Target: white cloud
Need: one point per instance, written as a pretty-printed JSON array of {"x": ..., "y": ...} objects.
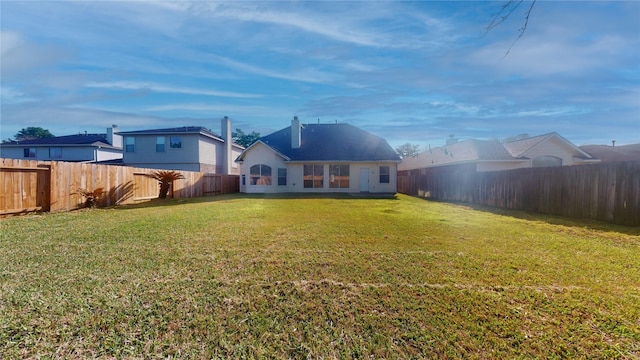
[
  {"x": 20, "y": 55},
  {"x": 307, "y": 75},
  {"x": 133, "y": 85}
]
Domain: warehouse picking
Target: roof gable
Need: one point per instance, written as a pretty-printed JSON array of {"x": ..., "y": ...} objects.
[
  {"x": 331, "y": 142},
  {"x": 487, "y": 150},
  {"x": 463, "y": 151},
  {"x": 520, "y": 148}
]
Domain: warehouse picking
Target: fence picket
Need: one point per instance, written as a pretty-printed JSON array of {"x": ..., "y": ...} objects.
[
  {"x": 606, "y": 192},
  {"x": 52, "y": 186}
]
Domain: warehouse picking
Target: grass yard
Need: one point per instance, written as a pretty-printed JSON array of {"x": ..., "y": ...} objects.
[{"x": 268, "y": 277}]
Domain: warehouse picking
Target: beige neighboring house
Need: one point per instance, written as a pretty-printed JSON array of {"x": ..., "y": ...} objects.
[
  {"x": 491, "y": 155},
  {"x": 189, "y": 148},
  {"x": 319, "y": 158},
  {"x": 610, "y": 153}
]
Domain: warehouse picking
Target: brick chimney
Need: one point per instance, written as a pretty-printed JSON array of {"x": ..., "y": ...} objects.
[
  {"x": 296, "y": 136},
  {"x": 227, "y": 160}
]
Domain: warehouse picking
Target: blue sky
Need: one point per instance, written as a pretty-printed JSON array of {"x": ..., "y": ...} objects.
[{"x": 407, "y": 71}]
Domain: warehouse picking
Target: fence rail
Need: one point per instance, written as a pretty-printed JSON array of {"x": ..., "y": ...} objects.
[
  {"x": 30, "y": 185},
  {"x": 607, "y": 192}
]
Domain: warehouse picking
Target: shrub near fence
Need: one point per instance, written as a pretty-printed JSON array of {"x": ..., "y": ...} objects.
[
  {"x": 607, "y": 192},
  {"x": 29, "y": 185}
]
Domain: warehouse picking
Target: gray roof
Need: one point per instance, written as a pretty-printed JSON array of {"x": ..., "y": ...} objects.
[
  {"x": 608, "y": 153},
  {"x": 174, "y": 130},
  {"x": 79, "y": 139},
  {"x": 331, "y": 142}
]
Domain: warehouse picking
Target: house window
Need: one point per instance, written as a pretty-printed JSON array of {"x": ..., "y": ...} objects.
[
  {"x": 160, "y": 143},
  {"x": 339, "y": 176},
  {"x": 129, "y": 144},
  {"x": 55, "y": 153},
  {"x": 244, "y": 177},
  {"x": 260, "y": 174},
  {"x": 282, "y": 176},
  {"x": 313, "y": 176},
  {"x": 30, "y": 152},
  {"x": 384, "y": 174},
  {"x": 175, "y": 142},
  {"x": 545, "y": 161}
]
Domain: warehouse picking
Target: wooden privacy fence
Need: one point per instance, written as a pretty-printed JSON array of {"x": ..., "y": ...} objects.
[
  {"x": 30, "y": 185},
  {"x": 607, "y": 192}
]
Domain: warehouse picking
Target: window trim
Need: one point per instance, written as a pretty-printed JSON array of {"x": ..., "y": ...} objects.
[
  {"x": 59, "y": 152},
  {"x": 340, "y": 183},
  {"x": 261, "y": 178},
  {"x": 163, "y": 144},
  {"x": 282, "y": 179},
  {"x": 173, "y": 144},
  {"x": 27, "y": 153},
  {"x": 387, "y": 175},
  {"x": 317, "y": 177},
  {"x": 129, "y": 144}
]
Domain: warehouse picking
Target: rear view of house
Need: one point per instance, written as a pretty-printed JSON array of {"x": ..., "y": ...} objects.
[{"x": 319, "y": 158}]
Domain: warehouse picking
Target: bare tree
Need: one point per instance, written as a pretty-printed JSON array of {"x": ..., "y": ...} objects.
[
  {"x": 507, "y": 9},
  {"x": 408, "y": 150}
]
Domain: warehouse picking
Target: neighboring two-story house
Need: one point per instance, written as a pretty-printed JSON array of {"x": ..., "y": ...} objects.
[
  {"x": 319, "y": 158},
  {"x": 189, "y": 148},
  {"x": 90, "y": 148}
]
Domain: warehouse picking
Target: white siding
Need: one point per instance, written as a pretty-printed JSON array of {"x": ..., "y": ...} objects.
[{"x": 261, "y": 154}]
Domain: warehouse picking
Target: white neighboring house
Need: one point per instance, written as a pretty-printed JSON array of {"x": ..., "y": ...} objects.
[
  {"x": 319, "y": 158},
  {"x": 90, "y": 148},
  {"x": 491, "y": 155},
  {"x": 189, "y": 148}
]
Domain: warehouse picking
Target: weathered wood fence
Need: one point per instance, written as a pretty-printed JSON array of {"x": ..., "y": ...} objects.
[
  {"x": 607, "y": 192},
  {"x": 29, "y": 185}
]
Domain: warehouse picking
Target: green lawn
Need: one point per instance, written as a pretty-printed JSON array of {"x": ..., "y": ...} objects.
[{"x": 268, "y": 277}]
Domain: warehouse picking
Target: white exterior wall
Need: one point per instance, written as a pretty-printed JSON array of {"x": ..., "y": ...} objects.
[
  {"x": 106, "y": 154},
  {"x": 235, "y": 167},
  {"x": 260, "y": 154}
]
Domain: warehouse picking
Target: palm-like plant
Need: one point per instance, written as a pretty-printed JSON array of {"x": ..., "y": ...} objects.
[
  {"x": 165, "y": 179},
  {"x": 91, "y": 197}
]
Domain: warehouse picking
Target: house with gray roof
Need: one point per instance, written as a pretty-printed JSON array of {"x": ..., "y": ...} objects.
[
  {"x": 83, "y": 147},
  {"x": 319, "y": 158},
  {"x": 491, "y": 155},
  {"x": 189, "y": 148}
]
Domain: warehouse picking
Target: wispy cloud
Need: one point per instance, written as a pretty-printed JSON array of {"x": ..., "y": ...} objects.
[
  {"x": 133, "y": 85},
  {"x": 306, "y": 75}
]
